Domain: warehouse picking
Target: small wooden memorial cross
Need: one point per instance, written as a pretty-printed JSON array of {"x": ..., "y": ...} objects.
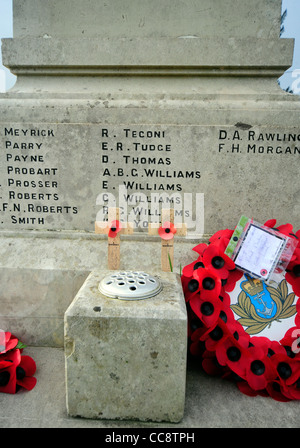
[
  {"x": 167, "y": 242},
  {"x": 113, "y": 228}
]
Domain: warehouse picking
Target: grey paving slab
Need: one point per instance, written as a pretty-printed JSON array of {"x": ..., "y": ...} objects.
[{"x": 210, "y": 403}]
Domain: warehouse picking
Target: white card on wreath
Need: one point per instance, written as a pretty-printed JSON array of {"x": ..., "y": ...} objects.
[{"x": 259, "y": 252}]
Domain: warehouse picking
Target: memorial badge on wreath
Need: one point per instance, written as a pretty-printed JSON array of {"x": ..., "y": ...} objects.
[{"x": 244, "y": 328}]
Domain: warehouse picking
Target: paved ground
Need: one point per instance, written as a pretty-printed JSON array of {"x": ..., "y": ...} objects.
[{"x": 210, "y": 403}]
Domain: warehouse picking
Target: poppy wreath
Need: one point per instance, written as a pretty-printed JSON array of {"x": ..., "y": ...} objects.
[
  {"x": 258, "y": 365},
  {"x": 16, "y": 370}
]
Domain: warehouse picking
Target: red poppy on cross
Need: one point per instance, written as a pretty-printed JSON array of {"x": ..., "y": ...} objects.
[
  {"x": 113, "y": 228},
  {"x": 166, "y": 230}
]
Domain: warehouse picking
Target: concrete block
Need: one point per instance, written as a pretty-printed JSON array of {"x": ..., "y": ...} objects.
[{"x": 126, "y": 359}]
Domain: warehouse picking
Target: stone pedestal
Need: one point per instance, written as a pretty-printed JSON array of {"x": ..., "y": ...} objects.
[{"x": 126, "y": 359}]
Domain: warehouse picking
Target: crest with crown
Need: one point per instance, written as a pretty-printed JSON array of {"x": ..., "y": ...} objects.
[{"x": 252, "y": 286}]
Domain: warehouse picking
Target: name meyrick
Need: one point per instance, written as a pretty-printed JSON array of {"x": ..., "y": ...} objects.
[{"x": 16, "y": 132}]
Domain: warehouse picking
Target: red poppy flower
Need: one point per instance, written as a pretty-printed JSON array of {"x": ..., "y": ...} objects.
[
  {"x": 246, "y": 389},
  {"x": 8, "y": 376},
  {"x": 210, "y": 364},
  {"x": 192, "y": 320},
  {"x": 230, "y": 282},
  {"x": 293, "y": 278},
  {"x": 190, "y": 287},
  {"x": 290, "y": 341},
  {"x": 275, "y": 347},
  {"x": 215, "y": 260},
  {"x": 297, "y": 236},
  {"x": 259, "y": 368},
  {"x": 195, "y": 349},
  {"x": 207, "y": 310},
  {"x": 233, "y": 355},
  {"x": 196, "y": 329},
  {"x": 7, "y": 342},
  {"x": 294, "y": 390},
  {"x": 224, "y": 327},
  {"x": 293, "y": 272},
  {"x": 25, "y": 371},
  {"x": 195, "y": 336},
  {"x": 277, "y": 392},
  {"x": 221, "y": 234},
  {"x": 238, "y": 333},
  {"x": 200, "y": 248},
  {"x": 285, "y": 229},
  {"x": 189, "y": 269},
  {"x": 225, "y": 298},
  {"x": 196, "y": 343},
  {"x": 167, "y": 231},
  {"x": 184, "y": 283},
  {"x": 115, "y": 228},
  {"x": 209, "y": 283},
  {"x": 215, "y": 335},
  {"x": 270, "y": 223},
  {"x": 297, "y": 318},
  {"x": 287, "y": 368}
]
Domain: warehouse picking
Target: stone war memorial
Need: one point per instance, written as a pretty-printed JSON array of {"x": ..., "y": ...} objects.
[{"x": 135, "y": 132}]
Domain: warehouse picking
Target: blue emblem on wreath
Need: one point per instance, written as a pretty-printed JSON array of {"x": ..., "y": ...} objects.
[
  {"x": 258, "y": 305},
  {"x": 260, "y": 297}
]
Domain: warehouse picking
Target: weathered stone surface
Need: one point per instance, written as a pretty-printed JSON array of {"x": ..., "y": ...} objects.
[
  {"x": 40, "y": 277},
  {"x": 126, "y": 359},
  {"x": 166, "y": 98},
  {"x": 148, "y": 18},
  {"x": 157, "y": 99},
  {"x": 33, "y": 302},
  {"x": 42, "y": 55},
  {"x": 69, "y": 189}
]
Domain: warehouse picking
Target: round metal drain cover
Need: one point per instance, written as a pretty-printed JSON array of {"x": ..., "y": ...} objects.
[{"x": 130, "y": 285}]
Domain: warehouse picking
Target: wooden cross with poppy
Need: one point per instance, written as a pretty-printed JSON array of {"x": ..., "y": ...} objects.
[
  {"x": 166, "y": 231},
  {"x": 113, "y": 228}
]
